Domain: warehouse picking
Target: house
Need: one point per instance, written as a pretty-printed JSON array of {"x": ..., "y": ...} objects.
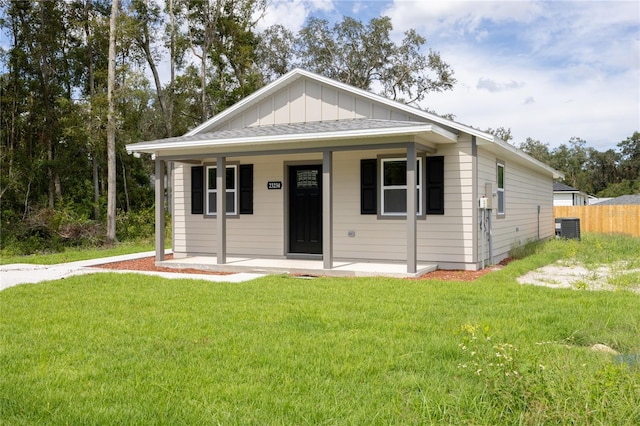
[
  {"x": 318, "y": 171},
  {"x": 620, "y": 201},
  {"x": 565, "y": 195}
]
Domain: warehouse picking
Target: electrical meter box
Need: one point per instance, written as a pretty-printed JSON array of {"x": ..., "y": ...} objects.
[
  {"x": 483, "y": 203},
  {"x": 488, "y": 192}
]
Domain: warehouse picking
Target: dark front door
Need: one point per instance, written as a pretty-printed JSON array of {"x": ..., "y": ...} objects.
[{"x": 305, "y": 209}]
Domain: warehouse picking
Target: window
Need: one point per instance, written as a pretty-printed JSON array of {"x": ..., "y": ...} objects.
[
  {"x": 394, "y": 186},
  {"x": 501, "y": 206},
  {"x": 231, "y": 191}
]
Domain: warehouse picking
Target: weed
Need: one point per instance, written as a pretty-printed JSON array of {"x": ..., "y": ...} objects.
[
  {"x": 625, "y": 281},
  {"x": 580, "y": 285}
]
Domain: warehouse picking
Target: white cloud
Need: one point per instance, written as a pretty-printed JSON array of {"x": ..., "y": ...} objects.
[
  {"x": 494, "y": 86},
  {"x": 548, "y": 70},
  {"x": 292, "y": 13}
]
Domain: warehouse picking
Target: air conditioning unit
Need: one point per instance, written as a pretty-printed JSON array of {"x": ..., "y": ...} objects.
[{"x": 568, "y": 227}]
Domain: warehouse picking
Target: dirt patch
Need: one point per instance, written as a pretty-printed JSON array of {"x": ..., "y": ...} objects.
[
  {"x": 577, "y": 276},
  {"x": 149, "y": 264}
]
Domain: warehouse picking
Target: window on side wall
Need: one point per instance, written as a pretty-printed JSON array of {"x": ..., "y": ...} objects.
[
  {"x": 500, "y": 191},
  {"x": 231, "y": 191},
  {"x": 393, "y": 187}
]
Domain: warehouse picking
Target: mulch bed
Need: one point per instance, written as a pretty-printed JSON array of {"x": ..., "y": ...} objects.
[{"x": 149, "y": 264}]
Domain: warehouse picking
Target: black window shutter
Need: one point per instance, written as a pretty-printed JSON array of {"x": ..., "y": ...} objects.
[
  {"x": 435, "y": 185},
  {"x": 246, "y": 189},
  {"x": 197, "y": 190},
  {"x": 368, "y": 186}
]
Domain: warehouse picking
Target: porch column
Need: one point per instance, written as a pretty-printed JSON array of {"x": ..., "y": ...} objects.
[
  {"x": 221, "y": 210},
  {"x": 159, "y": 175},
  {"x": 327, "y": 210},
  {"x": 411, "y": 209}
]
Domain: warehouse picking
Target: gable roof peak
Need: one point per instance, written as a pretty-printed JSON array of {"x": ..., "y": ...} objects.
[{"x": 298, "y": 73}]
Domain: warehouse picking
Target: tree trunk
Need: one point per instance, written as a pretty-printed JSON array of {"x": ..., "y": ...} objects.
[
  {"x": 172, "y": 65},
  {"x": 111, "y": 128},
  {"x": 96, "y": 188},
  {"x": 93, "y": 144}
]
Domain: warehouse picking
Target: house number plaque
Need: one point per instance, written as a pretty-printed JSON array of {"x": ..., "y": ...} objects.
[{"x": 274, "y": 185}]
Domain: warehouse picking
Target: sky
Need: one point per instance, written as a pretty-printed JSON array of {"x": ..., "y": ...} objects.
[{"x": 548, "y": 70}]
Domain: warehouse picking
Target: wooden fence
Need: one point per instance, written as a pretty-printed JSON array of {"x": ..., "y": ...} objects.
[{"x": 618, "y": 219}]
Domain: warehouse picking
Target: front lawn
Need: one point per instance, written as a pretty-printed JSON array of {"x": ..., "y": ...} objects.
[{"x": 129, "y": 349}]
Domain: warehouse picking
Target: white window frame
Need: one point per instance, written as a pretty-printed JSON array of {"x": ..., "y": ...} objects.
[
  {"x": 384, "y": 188},
  {"x": 210, "y": 210},
  {"x": 500, "y": 206}
]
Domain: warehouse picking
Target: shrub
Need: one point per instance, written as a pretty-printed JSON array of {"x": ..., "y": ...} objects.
[{"x": 139, "y": 225}]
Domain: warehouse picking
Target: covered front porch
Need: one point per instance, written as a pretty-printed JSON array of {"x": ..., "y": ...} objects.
[{"x": 305, "y": 267}]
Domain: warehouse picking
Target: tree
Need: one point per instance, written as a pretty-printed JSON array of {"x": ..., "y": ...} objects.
[
  {"x": 630, "y": 157},
  {"x": 502, "y": 133},
  {"x": 274, "y": 52},
  {"x": 536, "y": 149},
  {"x": 220, "y": 35},
  {"x": 361, "y": 55},
  {"x": 144, "y": 23},
  {"x": 111, "y": 127}
]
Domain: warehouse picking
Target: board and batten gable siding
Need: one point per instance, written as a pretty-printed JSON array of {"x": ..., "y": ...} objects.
[
  {"x": 525, "y": 190},
  {"x": 309, "y": 101}
]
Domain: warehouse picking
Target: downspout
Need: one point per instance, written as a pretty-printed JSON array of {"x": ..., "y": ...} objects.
[{"x": 490, "y": 239}]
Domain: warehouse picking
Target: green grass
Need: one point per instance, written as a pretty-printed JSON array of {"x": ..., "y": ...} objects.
[
  {"x": 75, "y": 254},
  {"x": 130, "y": 349}
]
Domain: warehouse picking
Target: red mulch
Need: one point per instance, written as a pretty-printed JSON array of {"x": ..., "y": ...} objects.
[
  {"x": 148, "y": 264},
  {"x": 455, "y": 275}
]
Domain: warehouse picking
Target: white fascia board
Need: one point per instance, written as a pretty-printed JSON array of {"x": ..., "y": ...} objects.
[{"x": 154, "y": 147}]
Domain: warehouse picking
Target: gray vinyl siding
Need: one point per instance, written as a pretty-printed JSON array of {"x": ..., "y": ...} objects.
[
  {"x": 525, "y": 189},
  {"x": 448, "y": 238},
  {"x": 441, "y": 238}
]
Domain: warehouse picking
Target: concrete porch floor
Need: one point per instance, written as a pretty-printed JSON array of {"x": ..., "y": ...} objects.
[{"x": 299, "y": 266}]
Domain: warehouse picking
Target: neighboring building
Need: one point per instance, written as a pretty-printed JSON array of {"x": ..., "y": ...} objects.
[
  {"x": 317, "y": 169},
  {"x": 622, "y": 200},
  {"x": 565, "y": 195}
]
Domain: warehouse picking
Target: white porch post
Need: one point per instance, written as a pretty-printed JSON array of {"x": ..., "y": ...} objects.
[
  {"x": 327, "y": 210},
  {"x": 159, "y": 175},
  {"x": 221, "y": 210},
  {"x": 411, "y": 209}
]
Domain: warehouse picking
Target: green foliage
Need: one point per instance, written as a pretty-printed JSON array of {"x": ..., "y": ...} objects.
[
  {"x": 361, "y": 54},
  {"x": 139, "y": 225},
  {"x": 621, "y": 188},
  {"x": 48, "y": 230},
  {"x": 73, "y": 254},
  {"x": 542, "y": 384},
  {"x": 529, "y": 248}
]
